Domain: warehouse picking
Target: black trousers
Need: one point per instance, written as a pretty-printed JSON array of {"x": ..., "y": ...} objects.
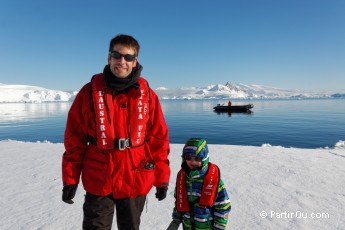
[{"x": 99, "y": 212}]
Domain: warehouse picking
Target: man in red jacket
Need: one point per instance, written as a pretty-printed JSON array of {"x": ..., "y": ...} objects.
[{"x": 117, "y": 140}]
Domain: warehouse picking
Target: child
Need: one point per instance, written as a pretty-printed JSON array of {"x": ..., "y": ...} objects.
[{"x": 201, "y": 198}]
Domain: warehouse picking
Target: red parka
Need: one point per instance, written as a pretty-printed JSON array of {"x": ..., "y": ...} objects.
[{"x": 121, "y": 172}]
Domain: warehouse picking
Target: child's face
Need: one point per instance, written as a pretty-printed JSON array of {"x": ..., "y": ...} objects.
[{"x": 193, "y": 163}]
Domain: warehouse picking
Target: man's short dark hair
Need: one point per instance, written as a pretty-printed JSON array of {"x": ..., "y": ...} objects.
[{"x": 125, "y": 40}]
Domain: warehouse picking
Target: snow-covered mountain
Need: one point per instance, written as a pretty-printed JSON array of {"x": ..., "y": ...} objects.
[
  {"x": 35, "y": 94},
  {"x": 241, "y": 91}
]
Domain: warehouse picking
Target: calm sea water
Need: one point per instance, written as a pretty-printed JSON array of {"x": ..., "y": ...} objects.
[{"x": 289, "y": 123}]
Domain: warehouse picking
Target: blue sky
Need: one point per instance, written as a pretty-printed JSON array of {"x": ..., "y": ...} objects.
[{"x": 297, "y": 44}]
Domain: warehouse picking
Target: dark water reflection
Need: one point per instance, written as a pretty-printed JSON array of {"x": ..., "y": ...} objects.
[{"x": 288, "y": 123}]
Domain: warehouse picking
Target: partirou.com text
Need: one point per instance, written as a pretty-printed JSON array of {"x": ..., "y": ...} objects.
[{"x": 294, "y": 215}]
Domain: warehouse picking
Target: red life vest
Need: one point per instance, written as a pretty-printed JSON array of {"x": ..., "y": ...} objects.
[
  {"x": 208, "y": 192},
  {"x": 104, "y": 112}
]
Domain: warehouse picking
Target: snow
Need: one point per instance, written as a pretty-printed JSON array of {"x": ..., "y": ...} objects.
[
  {"x": 291, "y": 185},
  {"x": 240, "y": 91},
  {"x": 32, "y": 94},
  {"x": 35, "y": 94}
]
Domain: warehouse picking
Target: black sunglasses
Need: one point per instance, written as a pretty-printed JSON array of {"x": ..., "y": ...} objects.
[
  {"x": 189, "y": 158},
  {"x": 127, "y": 57}
]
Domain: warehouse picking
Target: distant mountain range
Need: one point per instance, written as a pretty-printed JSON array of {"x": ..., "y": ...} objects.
[
  {"x": 35, "y": 94},
  {"x": 241, "y": 91}
]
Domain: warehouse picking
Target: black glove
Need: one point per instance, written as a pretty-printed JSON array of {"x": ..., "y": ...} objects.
[
  {"x": 68, "y": 193},
  {"x": 161, "y": 193}
]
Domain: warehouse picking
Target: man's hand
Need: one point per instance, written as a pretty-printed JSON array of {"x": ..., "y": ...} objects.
[
  {"x": 161, "y": 193},
  {"x": 68, "y": 193}
]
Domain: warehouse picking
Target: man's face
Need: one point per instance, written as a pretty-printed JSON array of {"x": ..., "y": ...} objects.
[{"x": 120, "y": 67}]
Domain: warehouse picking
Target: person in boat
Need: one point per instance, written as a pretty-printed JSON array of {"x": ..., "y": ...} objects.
[
  {"x": 229, "y": 103},
  {"x": 202, "y": 201}
]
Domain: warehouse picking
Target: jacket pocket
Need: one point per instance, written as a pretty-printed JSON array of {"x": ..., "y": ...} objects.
[
  {"x": 95, "y": 171},
  {"x": 143, "y": 182}
]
